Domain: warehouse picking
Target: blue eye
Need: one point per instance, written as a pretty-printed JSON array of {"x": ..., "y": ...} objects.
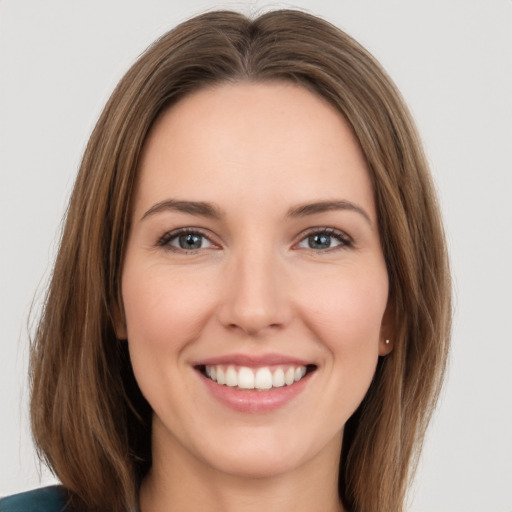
[
  {"x": 325, "y": 239},
  {"x": 185, "y": 241}
]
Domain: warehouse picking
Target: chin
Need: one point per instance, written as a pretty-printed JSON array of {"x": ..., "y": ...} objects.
[
  {"x": 269, "y": 455},
  {"x": 256, "y": 465}
]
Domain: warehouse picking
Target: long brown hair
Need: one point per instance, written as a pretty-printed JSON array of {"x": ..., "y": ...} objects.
[{"x": 89, "y": 419}]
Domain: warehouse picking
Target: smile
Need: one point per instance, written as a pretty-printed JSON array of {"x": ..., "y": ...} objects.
[
  {"x": 260, "y": 379},
  {"x": 255, "y": 384}
]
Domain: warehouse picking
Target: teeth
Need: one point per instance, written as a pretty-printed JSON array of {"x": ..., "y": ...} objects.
[
  {"x": 299, "y": 373},
  {"x": 231, "y": 378},
  {"x": 245, "y": 378},
  {"x": 262, "y": 379},
  {"x": 278, "y": 378},
  {"x": 289, "y": 376}
]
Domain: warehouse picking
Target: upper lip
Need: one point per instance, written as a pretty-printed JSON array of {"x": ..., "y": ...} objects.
[{"x": 252, "y": 361}]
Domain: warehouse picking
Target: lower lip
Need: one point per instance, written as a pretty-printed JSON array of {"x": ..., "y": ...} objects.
[{"x": 252, "y": 401}]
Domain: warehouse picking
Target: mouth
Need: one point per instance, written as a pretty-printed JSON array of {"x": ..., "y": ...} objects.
[
  {"x": 249, "y": 383},
  {"x": 262, "y": 378}
]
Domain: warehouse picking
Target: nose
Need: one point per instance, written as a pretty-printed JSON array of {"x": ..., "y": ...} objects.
[{"x": 255, "y": 297}]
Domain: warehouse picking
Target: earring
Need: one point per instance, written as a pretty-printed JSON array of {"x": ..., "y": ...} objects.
[{"x": 387, "y": 342}]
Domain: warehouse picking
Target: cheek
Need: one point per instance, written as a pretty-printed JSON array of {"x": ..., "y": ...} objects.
[
  {"x": 349, "y": 304},
  {"x": 346, "y": 317},
  {"x": 164, "y": 309}
]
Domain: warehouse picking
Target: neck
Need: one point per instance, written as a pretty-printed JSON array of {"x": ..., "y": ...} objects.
[{"x": 180, "y": 482}]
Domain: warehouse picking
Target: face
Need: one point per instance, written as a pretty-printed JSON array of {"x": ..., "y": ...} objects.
[{"x": 254, "y": 286}]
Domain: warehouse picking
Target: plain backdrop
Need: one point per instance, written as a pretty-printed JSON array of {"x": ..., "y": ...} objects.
[{"x": 452, "y": 60}]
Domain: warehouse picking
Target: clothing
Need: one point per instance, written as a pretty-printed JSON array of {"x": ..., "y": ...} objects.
[{"x": 46, "y": 499}]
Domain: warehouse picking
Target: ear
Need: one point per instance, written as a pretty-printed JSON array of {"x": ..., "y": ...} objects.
[
  {"x": 119, "y": 321},
  {"x": 387, "y": 330}
]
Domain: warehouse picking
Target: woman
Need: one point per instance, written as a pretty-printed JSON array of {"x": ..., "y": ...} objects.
[{"x": 251, "y": 302}]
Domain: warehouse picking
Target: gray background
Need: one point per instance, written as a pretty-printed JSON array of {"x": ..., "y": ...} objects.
[{"x": 452, "y": 59}]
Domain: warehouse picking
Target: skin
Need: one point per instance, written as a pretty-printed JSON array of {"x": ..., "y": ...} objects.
[{"x": 256, "y": 285}]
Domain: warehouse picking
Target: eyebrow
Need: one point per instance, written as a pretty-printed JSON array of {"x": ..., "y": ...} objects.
[
  {"x": 211, "y": 211},
  {"x": 326, "y": 206},
  {"x": 191, "y": 207}
]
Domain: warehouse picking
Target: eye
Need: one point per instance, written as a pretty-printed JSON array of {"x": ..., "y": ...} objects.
[
  {"x": 324, "y": 239},
  {"x": 185, "y": 240}
]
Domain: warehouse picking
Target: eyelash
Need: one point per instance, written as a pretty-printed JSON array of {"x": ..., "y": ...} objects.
[
  {"x": 168, "y": 237},
  {"x": 345, "y": 241}
]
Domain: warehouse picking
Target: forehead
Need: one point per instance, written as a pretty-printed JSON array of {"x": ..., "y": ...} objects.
[{"x": 257, "y": 140}]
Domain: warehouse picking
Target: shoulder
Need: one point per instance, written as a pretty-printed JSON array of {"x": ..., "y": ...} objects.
[{"x": 46, "y": 499}]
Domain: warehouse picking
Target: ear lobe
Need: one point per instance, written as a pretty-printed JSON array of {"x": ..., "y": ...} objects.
[
  {"x": 387, "y": 330},
  {"x": 385, "y": 346}
]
